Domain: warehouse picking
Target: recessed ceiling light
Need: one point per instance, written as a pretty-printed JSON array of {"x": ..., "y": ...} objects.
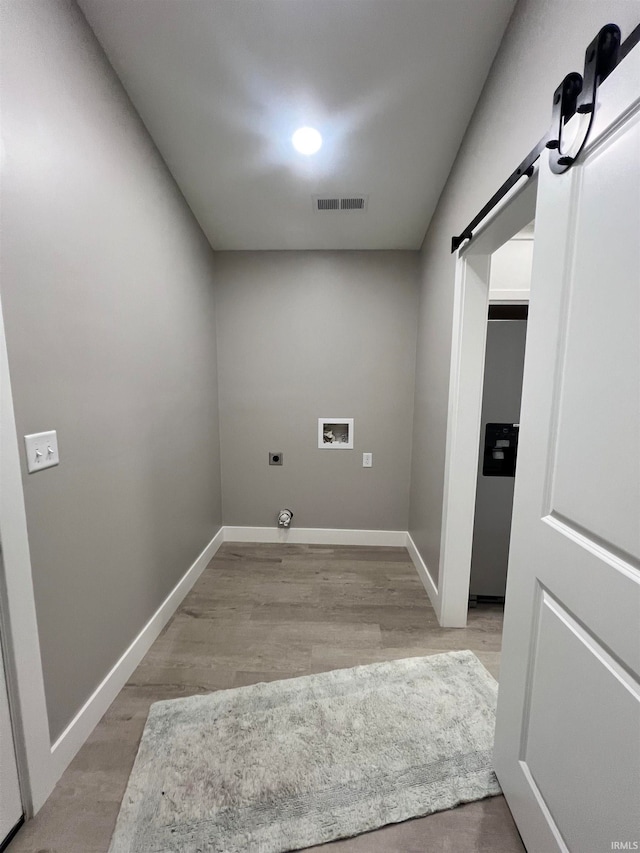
[{"x": 306, "y": 140}]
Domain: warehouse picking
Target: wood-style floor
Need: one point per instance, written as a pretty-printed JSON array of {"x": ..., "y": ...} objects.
[{"x": 259, "y": 613}]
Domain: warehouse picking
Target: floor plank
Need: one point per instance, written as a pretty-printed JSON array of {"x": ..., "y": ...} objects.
[{"x": 260, "y": 613}]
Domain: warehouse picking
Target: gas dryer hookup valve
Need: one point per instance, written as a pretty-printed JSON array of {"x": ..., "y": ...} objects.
[{"x": 284, "y": 517}]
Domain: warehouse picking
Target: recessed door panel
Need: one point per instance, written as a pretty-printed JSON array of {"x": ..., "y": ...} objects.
[
  {"x": 580, "y": 702},
  {"x": 598, "y": 404}
]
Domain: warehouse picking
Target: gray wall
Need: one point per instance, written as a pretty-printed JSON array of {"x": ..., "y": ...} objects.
[
  {"x": 109, "y": 311},
  {"x": 544, "y": 41},
  {"x": 303, "y": 335}
]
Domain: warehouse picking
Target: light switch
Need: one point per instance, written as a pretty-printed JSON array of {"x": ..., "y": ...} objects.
[
  {"x": 42, "y": 450},
  {"x": 367, "y": 460}
]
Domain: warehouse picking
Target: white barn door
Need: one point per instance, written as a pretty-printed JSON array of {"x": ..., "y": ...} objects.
[{"x": 568, "y": 727}]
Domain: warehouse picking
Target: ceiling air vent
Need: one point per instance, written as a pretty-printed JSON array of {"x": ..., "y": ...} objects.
[
  {"x": 337, "y": 204},
  {"x": 352, "y": 203},
  {"x": 328, "y": 204}
]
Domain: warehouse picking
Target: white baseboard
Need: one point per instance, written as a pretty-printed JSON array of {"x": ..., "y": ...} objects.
[
  {"x": 423, "y": 574},
  {"x": 79, "y": 729},
  {"x": 316, "y": 536}
]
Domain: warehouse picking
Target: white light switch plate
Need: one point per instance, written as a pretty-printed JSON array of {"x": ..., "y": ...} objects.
[
  {"x": 42, "y": 450},
  {"x": 367, "y": 460}
]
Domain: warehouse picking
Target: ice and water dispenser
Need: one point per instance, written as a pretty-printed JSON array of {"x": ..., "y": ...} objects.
[{"x": 500, "y": 450}]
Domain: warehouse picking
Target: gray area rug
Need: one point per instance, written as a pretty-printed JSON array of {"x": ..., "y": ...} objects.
[{"x": 293, "y": 763}]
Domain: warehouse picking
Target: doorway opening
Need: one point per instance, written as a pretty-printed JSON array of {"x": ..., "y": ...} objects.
[
  {"x": 489, "y": 330},
  {"x": 498, "y": 446}
]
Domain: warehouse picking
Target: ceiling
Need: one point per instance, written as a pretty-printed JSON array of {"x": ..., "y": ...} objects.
[{"x": 222, "y": 84}]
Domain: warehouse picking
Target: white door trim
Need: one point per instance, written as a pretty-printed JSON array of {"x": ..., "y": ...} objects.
[
  {"x": 471, "y": 300},
  {"x": 22, "y": 645}
]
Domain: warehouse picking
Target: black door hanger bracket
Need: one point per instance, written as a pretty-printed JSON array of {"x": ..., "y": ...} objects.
[{"x": 576, "y": 96}]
